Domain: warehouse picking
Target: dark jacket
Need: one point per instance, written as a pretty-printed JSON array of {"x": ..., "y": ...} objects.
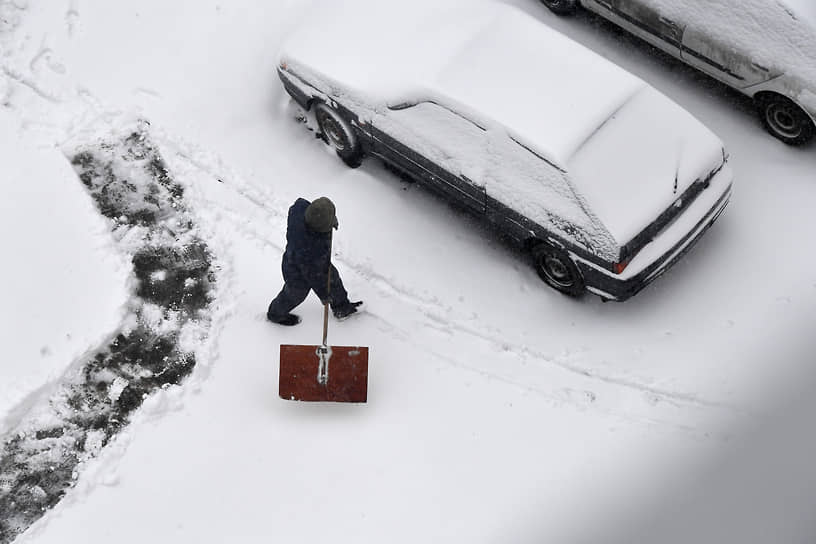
[{"x": 308, "y": 253}]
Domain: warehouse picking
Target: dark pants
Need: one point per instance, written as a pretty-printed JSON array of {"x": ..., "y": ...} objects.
[{"x": 296, "y": 288}]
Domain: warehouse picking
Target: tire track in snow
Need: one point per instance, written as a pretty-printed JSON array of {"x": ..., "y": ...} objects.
[
  {"x": 433, "y": 309},
  {"x": 23, "y": 80},
  {"x": 587, "y": 388},
  {"x": 577, "y": 397}
]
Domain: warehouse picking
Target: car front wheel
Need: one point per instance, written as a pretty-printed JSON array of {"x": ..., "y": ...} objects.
[
  {"x": 338, "y": 133},
  {"x": 558, "y": 270},
  {"x": 785, "y": 120},
  {"x": 561, "y": 7}
]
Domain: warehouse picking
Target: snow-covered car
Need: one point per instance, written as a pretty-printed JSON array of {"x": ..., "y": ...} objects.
[
  {"x": 605, "y": 181},
  {"x": 765, "y": 49}
]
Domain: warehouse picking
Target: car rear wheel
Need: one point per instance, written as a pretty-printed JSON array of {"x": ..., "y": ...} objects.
[
  {"x": 785, "y": 120},
  {"x": 338, "y": 133},
  {"x": 561, "y": 7},
  {"x": 558, "y": 270}
]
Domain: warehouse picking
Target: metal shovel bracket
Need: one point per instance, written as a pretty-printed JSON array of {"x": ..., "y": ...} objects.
[{"x": 323, "y": 356}]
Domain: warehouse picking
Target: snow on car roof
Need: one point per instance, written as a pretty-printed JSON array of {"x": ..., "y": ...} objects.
[
  {"x": 547, "y": 89},
  {"x": 497, "y": 62}
]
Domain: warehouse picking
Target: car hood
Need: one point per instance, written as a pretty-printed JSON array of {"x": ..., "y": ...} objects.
[{"x": 640, "y": 161}]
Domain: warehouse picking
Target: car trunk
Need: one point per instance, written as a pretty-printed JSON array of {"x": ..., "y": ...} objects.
[{"x": 638, "y": 170}]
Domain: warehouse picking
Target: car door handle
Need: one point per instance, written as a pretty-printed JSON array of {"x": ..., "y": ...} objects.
[{"x": 759, "y": 67}]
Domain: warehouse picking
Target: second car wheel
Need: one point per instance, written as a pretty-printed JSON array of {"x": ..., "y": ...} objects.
[
  {"x": 561, "y": 7},
  {"x": 558, "y": 270},
  {"x": 785, "y": 120},
  {"x": 339, "y": 134}
]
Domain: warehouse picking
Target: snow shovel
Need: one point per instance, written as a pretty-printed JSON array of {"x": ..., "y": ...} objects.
[{"x": 323, "y": 373}]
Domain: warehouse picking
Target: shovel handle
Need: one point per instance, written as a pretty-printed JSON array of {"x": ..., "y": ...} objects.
[{"x": 328, "y": 291}]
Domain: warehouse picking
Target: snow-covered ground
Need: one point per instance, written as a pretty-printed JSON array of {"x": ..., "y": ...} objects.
[
  {"x": 498, "y": 409},
  {"x": 66, "y": 287}
]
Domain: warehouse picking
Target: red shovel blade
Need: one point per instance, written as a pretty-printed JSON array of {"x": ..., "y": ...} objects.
[{"x": 347, "y": 374}]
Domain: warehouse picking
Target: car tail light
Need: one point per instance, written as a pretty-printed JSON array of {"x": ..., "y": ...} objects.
[{"x": 618, "y": 268}]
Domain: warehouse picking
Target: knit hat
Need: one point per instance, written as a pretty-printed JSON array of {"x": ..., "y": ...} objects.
[{"x": 320, "y": 215}]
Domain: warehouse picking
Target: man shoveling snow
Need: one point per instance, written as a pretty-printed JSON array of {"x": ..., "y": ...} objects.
[{"x": 307, "y": 261}]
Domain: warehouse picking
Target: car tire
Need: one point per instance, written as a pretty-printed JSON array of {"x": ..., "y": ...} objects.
[
  {"x": 337, "y": 132},
  {"x": 558, "y": 270},
  {"x": 561, "y": 7},
  {"x": 785, "y": 120}
]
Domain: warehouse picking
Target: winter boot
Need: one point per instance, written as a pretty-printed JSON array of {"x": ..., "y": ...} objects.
[
  {"x": 287, "y": 320},
  {"x": 346, "y": 309}
]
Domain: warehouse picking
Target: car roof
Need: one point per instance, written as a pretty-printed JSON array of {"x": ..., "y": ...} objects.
[{"x": 490, "y": 60}]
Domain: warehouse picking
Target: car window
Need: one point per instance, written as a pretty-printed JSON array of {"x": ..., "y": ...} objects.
[
  {"x": 442, "y": 136},
  {"x": 525, "y": 181}
]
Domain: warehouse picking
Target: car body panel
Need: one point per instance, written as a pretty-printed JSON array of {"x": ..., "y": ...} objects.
[
  {"x": 642, "y": 18},
  {"x": 771, "y": 50},
  {"x": 713, "y": 56}
]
